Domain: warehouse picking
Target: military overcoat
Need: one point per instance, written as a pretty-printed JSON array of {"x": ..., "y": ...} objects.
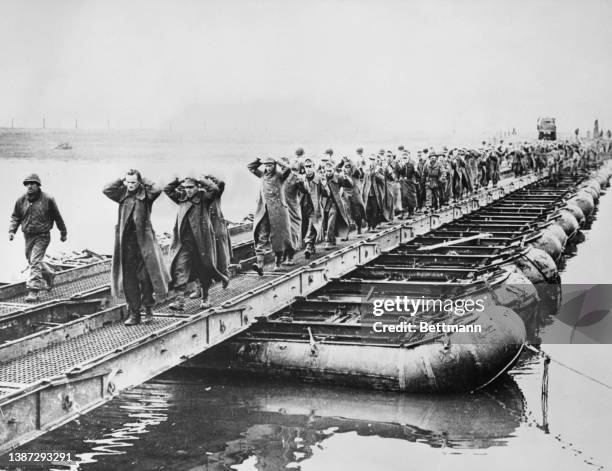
[
  {"x": 139, "y": 207},
  {"x": 271, "y": 201},
  {"x": 195, "y": 211}
]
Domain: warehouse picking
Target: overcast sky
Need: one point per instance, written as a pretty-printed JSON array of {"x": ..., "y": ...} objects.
[{"x": 378, "y": 67}]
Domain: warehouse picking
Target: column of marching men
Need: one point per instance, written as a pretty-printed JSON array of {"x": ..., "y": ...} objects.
[{"x": 304, "y": 203}]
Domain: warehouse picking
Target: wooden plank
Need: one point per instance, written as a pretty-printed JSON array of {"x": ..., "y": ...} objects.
[{"x": 426, "y": 248}]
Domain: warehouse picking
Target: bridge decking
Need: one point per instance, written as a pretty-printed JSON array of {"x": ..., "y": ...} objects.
[{"x": 52, "y": 376}]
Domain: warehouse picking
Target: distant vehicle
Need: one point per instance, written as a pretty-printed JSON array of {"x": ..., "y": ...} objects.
[
  {"x": 547, "y": 129},
  {"x": 64, "y": 146}
]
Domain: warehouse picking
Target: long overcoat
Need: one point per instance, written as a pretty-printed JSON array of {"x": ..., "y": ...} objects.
[
  {"x": 471, "y": 165},
  {"x": 465, "y": 174},
  {"x": 342, "y": 222},
  {"x": 139, "y": 207},
  {"x": 315, "y": 209},
  {"x": 197, "y": 212},
  {"x": 408, "y": 184},
  {"x": 393, "y": 170},
  {"x": 354, "y": 200},
  {"x": 271, "y": 200},
  {"x": 357, "y": 204},
  {"x": 493, "y": 168},
  {"x": 293, "y": 189},
  {"x": 388, "y": 199},
  {"x": 223, "y": 241},
  {"x": 375, "y": 180},
  {"x": 456, "y": 186}
]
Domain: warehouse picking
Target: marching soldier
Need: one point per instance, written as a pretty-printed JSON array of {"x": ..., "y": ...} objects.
[
  {"x": 293, "y": 189},
  {"x": 373, "y": 194},
  {"x": 355, "y": 205},
  {"x": 138, "y": 269},
  {"x": 193, "y": 253},
  {"x": 432, "y": 181},
  {"x": 223, "y": 242},
  {"x": 35, "y": 212},
  {"x": 337, "y": 219},
  {"x": 312, "y": 208},
  {"x": 408, "y": 184},
  {"x": 271, "y": 225}
]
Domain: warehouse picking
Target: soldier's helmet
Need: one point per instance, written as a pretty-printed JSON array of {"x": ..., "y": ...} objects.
[{"x": 32, "y": 178}]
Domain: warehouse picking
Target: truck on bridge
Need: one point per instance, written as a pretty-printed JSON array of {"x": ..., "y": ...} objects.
[{"x": 547, "y": 129}]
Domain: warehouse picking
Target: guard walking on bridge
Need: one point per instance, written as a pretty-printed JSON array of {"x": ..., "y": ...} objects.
[
  {"x": 138, "y": 268},
  {"x": 36, "y": 211}
]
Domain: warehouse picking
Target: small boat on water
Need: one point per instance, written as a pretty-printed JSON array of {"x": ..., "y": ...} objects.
[
  {"x": 63, "y": 146},
  {"x": 338, "y": 341}
]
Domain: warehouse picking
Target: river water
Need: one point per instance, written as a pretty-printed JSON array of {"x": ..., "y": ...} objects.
[{"x": 183, "y": 420}]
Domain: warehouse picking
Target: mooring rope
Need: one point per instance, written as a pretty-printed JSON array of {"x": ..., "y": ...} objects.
[{"x": 546, "y": 356}]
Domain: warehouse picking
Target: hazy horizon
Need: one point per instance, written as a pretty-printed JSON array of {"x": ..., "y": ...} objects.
[{"x": 289, "y": 69}]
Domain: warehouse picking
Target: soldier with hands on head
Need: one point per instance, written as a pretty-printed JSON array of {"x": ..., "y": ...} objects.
[{"x": 138, "y": 268}]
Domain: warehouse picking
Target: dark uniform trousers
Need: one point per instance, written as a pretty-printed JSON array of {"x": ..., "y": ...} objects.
[
  {"x": 137, "y": 284},
  {"x": 188, "y": 261},
  {"x": 311, "y": 236},
  {"x": 433, "y": 197},
  {"x": 372, "y": 211},
  {"x": 35, "y": 248}
]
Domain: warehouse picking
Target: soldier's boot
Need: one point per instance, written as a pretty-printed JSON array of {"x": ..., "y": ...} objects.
[
  {"x": 49, "y": 277},
  {"x": 278, "y": 262},
  {"x": 196, "y": 293},
  {"x": 205, "y": 303},
  {"x": 148, "y": 317},
  {"x": 225, "y": 282},
  {"x": 32, "y": 296},
  {"x": 309, "y": 251},
  {"x": 179, "y": 303},
  {"x": 288, "y": 258},
  {"x": 133, "y": 318},
  {"x": 258, "y": 266}
]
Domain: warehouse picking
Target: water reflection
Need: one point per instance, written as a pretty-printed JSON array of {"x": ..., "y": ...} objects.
[
  {"x": 219, "y": 423},
  {"x": 144, "y": 408}
]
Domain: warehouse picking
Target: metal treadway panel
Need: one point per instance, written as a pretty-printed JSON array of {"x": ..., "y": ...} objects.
[
  {"x": 5, "y": 391},
  {"x": 248, "y": 281},
  {"x": 59, "y": 358},
  {"x": 8, "y": 308},
  {"x": 68, "y": 289},
  {"x": 218, "y": 295},
  {"x": 117, "y": 356}
]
